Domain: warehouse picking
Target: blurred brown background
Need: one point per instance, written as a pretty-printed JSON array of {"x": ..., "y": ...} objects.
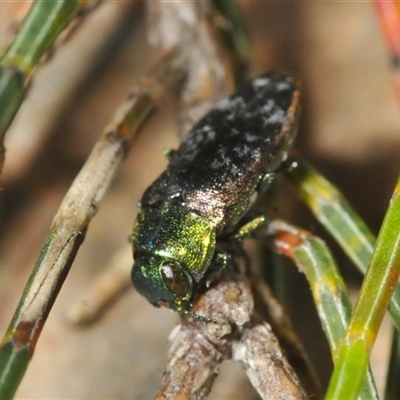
[{"x": 350, "y": 131}]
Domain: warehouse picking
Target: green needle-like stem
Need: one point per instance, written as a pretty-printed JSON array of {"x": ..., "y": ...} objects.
[
  {"x": 42, "y": 25},
  {"x": 339, "y": 218},
  {"x": 333, "y": 211},
  {"x": 377, "y": 289},
  {"x": 313, "y": 258}
]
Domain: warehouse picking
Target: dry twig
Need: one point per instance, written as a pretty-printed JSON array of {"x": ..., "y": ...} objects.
[{"x": 198, "y": 348}]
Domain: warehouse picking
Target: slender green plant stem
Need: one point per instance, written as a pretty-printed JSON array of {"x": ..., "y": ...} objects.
[
  {"x": 42, "y": 25},
  {"x": 377, "y": 289},
  {"x": 333, "y": 211},
  {"x": 313, "y": 258},
  {"x": 339, "y": 218}
]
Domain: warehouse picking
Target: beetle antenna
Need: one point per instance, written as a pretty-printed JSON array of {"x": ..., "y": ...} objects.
[{"x": 197, "y": 316}]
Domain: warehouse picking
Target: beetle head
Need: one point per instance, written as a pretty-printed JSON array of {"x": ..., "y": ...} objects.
[
  {"x": 162, "y": 281},
  {"x": 173, "y": 249}
]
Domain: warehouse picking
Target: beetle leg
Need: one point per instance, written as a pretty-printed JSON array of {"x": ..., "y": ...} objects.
[
  {"x": 250, "y": 227},
  {"x": 265, "y": 182},
  {"x": 169, "y": 153},
  {"x": 219, "y": 261}
]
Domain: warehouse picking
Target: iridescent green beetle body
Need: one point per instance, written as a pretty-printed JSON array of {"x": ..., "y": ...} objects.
[{"x": 226, "y": 160}]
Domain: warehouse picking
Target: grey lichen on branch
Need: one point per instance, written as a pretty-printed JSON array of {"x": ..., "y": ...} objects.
[{"x": 197, "y": 349}]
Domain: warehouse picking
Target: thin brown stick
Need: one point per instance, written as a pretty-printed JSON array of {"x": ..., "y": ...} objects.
[{"x": 83, "y": 199}]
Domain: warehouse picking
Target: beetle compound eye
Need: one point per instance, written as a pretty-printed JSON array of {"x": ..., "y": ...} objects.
[{"x": 175, "y": 279}]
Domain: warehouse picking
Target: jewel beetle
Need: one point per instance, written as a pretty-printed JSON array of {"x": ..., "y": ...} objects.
[{"x": 227, "y": 159}]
